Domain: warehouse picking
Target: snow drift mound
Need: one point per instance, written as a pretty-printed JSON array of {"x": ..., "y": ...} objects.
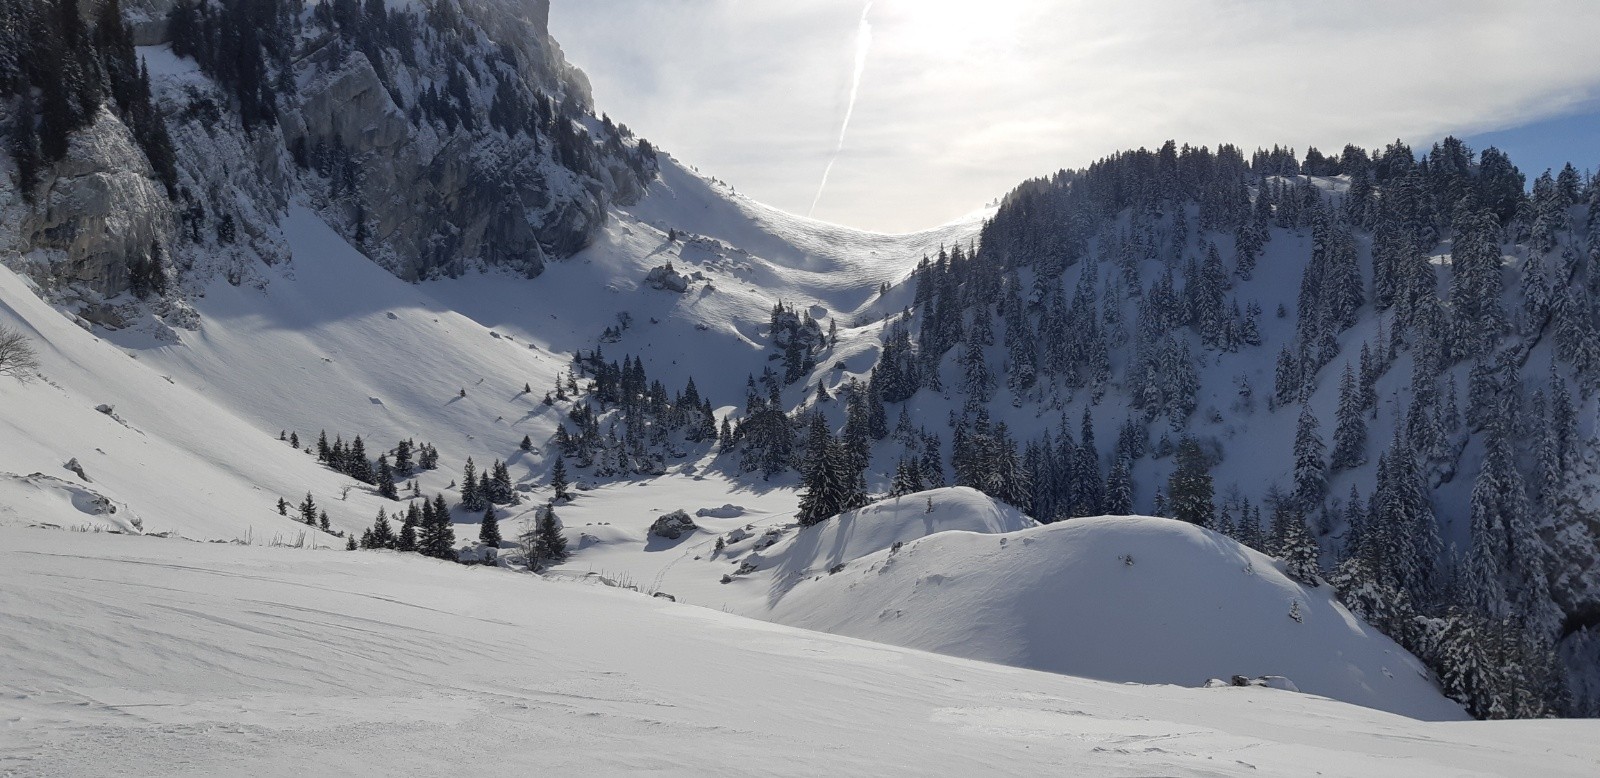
[
  {"x": 1116, "y": 598},
  {"x": 816, "y": 550}
]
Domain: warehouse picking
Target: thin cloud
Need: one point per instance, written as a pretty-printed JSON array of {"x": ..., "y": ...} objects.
[{"x": 967, "y": 99}]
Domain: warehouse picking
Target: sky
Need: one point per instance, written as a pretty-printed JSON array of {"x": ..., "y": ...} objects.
[{"x": 958, "y": 101}]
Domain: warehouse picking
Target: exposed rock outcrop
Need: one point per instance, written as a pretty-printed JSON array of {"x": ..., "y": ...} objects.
[{"x": 96, "y": 210}]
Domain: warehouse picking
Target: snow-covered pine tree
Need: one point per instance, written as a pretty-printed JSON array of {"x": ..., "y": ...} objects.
[
  {"x": 1310, "y": 467},
  {"x": 1191, "y": 495},
  {"x": 1119, "y": 488},
  {"x": 827, "y": 479},
  {"x": 1292, "y": 542},
  {"x": 1350, "y": 433}
]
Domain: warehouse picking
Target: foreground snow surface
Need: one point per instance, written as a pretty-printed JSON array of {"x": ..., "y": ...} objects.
[{"x": 147, "y": 656}]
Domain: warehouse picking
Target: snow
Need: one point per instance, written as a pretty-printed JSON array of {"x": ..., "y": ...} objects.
[
  {"x": 1120, "y": 599},
  {"x": 165, "y": 657},
  {"x": 252, "y": 660}
]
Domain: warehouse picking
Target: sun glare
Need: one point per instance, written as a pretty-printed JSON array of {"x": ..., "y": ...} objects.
[{"x": 951, "y": 27}]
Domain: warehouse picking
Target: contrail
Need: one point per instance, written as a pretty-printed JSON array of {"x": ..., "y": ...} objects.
[{"x": 863, "y": 47}]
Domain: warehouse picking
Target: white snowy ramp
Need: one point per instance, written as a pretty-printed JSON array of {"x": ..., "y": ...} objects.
[{"x": 1120, "y": 599}]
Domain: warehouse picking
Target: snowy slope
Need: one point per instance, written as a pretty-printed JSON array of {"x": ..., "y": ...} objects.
[
  {"x": 973, "y": 577},
  {"x": 1120, "y": 599},
  {"x": 167, "y": 657},
  {"x": 167, "y": 459}
]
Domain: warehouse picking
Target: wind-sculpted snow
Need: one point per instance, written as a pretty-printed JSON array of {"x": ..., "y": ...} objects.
[
  {"x": 1120, "y": 599},
  {"x": 140, "y": 656},
  {"x": 884, "y": 525}
]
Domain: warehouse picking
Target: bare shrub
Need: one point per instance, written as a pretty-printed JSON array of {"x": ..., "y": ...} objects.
[{"x": 18, "y": 358}]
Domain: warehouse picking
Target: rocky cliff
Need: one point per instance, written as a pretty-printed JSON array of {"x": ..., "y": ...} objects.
[{"x": 436, "y": 135}]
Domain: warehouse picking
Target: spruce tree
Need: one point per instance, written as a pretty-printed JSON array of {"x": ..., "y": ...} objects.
[
  {"x": 558, "y": 480},
  {"x": 471, "y": 499},
  {"x": 489, "y": 530},
  {"x": 1292, "y": 542},
  {"x": 308, "y": 510},
  {"x": 1190, "y": 488},
  {"x": 825, "y": 481},
  {"x": 1310, "y": 469},
  {"x": 438, "y": 537},
  {"x": 385, "y": 477},
  {"x": 1350, "y": 433},
  {"x": 382, "y": 534},
  {"x": 1119, "y": 488},
  {"x": 407, "y": 539},
  {"x": 356, "y": 464},
  {"x": 545, "y": 545}
]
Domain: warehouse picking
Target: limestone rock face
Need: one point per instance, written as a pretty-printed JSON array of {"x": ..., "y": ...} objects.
[
  {"x": 430, "y": 203},
  {"x": 98, "y": 209},
  {"x": 423, "y": 185}
]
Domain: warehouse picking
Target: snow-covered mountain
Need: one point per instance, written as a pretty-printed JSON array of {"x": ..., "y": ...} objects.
[{"x": 430, "y": 238}]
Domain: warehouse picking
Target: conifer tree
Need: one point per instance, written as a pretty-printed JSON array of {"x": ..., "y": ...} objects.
[
  {"x": 489, "y": 530},
  {"x": 907, "y": 478},
  {"x": 356, "y": 464},
  {"x": 827, "y": 479},
  {"x": 471, "y": 497},
  {"x": 1292, "y": 542},
  {"x": 1190, "y": 488},
  {"x": 385, "y": 478},
  {"x": 1310, "y": 469},
  {"x": 382, "y": 533},
  {"x": 558, "y": 480},
  {"x": 1119, "y": 488},
  {"x": 308, "y": 510},
  {"x": 1350, "y": 433},
  {"x": 402, "y": 457},
  {"x": 407, "y": 539},
  {"x": 438, "y": 537},
  {"x": 544, "y": 544}
]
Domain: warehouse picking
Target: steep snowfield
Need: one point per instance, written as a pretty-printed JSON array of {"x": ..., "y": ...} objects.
[
  {"x": 1120, "y": 599},
  {"x": 143, "y": 656},
  {"x": 167, "y": 458}
]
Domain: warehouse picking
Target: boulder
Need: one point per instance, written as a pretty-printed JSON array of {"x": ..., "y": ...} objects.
[{"x": 673, "y": 525}]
